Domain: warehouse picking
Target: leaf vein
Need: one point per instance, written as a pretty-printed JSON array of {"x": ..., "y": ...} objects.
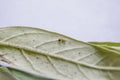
[
  {"x": 52, "y": 64},
  {"x": 29, "y": 61},
  {"x": 17, "y": 35}
]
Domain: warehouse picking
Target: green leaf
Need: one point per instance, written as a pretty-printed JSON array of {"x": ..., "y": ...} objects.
[
  {"x": 109, "y": 45},
  {"x": 53, "y": 55},
  {"x": 15, "y": 74},
  {"x": 5, "y": 74}
]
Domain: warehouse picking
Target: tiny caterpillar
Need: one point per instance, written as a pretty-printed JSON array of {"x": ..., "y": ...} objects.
[{"x": 61, "y": 41}]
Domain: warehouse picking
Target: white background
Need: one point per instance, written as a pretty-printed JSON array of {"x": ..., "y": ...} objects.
[{"x": 86, "y": 20}]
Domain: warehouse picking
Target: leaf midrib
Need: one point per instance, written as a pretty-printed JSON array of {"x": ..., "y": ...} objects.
[{"x": 61, "y": 58}]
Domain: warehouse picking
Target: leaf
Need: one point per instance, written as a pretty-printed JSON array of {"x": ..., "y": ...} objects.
[
  {"x": 15, "y": 74},
  {"x": 109, "y": 45},
  {"x": 56, "y": 56},
  {"x": 5, "y": 75}
]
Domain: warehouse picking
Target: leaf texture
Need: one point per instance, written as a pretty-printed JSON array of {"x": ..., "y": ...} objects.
[
  {"x": 110, "y": 45},
  {"x": 50, "y": 54},
  {"x": 16, "y": 74}
]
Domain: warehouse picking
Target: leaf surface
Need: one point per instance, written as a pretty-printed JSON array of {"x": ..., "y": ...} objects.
[
  {"x": 50, "y": 54},
  {"x": 109, "y": 45},
  {"x": 16, "y": 74}
]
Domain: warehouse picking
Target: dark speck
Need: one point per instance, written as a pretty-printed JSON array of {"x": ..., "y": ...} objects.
[
  {"x": 33, "y": 40},
  {"x": 61, "y": 41},
  {"x": 37, "y": 57}
]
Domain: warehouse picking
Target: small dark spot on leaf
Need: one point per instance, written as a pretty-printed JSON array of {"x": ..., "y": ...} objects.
[
  {"x": 37, "y": 57},
  {"x": 61, "y": 41},
  {"x": 33, "y": 40}
]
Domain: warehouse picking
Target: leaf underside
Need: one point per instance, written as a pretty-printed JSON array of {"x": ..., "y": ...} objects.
[{"x": 56, "y": 56}]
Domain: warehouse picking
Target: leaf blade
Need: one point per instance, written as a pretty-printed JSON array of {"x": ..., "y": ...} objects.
[{"x": 66, "y": 57}]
